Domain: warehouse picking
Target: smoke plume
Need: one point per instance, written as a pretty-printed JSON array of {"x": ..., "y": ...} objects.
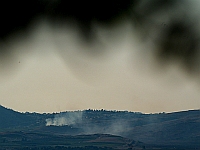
[
  {"x": 68, "y": 118},
  {"x": 89, "y": 124}
]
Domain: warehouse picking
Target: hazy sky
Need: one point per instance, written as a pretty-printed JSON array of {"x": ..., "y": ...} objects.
[{"x": 53, "y": 71}]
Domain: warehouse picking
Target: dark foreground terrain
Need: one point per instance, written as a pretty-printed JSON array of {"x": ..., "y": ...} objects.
[
  {"x": 99, "y": 129},
  {"x": 22, "y": 140}
]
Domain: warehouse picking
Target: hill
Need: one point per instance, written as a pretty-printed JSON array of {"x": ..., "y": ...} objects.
[
  {"x": 10, "y": 119},
  {"x": 178, "y": 129}
]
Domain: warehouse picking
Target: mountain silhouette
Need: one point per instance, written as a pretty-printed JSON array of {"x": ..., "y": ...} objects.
[
  {"x": 10, "y": 119},
  {"x": 177, "y": 129}
]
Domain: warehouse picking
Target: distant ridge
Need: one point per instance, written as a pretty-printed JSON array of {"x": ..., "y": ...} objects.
[
  {"x": 168, "y": 129},
  {"x": 10, "y": 119}
]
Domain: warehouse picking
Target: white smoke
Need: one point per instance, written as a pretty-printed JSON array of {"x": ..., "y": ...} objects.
[
  {"x": 115, "y": 127},
  {"x": 118, "y": 127},
  {"x": 68, "y": 118}
]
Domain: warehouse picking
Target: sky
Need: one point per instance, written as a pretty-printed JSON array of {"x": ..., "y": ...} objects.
[{"x": 52, "y": 70}]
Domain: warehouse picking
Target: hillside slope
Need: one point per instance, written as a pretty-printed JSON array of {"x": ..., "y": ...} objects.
[
  {"x": 10, "y": 119},
  {"x": 166, "y": 129}
]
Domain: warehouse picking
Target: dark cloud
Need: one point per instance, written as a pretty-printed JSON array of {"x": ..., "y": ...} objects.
[
  {"x": 175, "y": 38},
  {"x": 16, "y": 16}
]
